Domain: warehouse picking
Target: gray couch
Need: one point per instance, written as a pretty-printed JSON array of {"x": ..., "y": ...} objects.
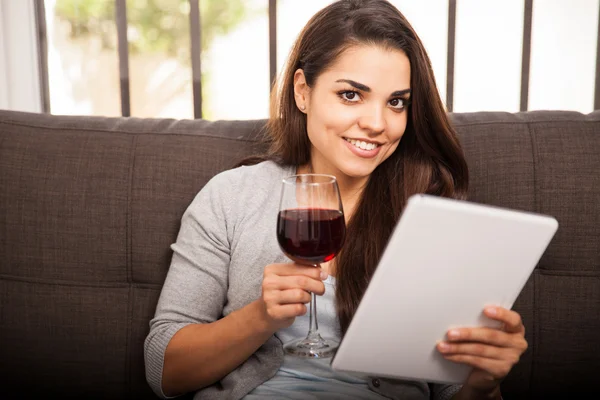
[{"x": 89, "y": 207}]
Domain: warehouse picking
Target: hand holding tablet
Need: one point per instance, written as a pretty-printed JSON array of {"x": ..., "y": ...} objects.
[
  {"x": 492, "y": 352},
  {"x": 446, "y": 261}
]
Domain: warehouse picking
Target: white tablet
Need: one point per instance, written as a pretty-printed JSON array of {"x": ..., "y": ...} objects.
[{"x": 445, "y": 261}]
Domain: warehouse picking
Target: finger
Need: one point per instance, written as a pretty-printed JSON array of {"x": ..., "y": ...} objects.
[
  {"x": 511, "y": 319},
  {"x": 290, "y": 269},
  {"x": 490, "y": 336},
  {"x": 286, "y": 311},
  {"x": 497, "y": 368},
  {"x": 292, "y": 296},
  {"x": 277, "y": 282},
  {"x": 479, "y": 350}
]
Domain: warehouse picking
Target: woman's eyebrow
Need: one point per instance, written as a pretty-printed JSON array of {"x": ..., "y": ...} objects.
[
  {"x": 367, "y": 89},
  {"x": 356, "y": 85},
  {"x": 400, "y": 92}
]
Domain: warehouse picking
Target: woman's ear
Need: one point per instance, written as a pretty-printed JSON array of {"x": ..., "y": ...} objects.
[{"x": 301, "y": 90}]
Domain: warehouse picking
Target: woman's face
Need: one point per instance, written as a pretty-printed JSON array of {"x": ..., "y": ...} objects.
[{"x": 356, "y": 110}]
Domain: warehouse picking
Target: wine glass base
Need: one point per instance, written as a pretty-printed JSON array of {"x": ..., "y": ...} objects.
[{"x": 311, "y": 348}]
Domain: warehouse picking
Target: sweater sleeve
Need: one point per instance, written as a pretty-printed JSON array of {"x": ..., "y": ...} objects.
[
  {"x": 195, "y": 289},
  {"x": 443, "y": 392}
]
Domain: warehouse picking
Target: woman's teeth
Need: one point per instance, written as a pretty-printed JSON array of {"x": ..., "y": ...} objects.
[{"x": 363, "y": 145}]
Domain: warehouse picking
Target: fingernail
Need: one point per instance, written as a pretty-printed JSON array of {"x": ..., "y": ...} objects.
[
  {"x": 443, "y": 346},
  {"x": 453, "y": 334},
  {"x": 324, "y": 275},
  {"x": 492, "y": 311}
]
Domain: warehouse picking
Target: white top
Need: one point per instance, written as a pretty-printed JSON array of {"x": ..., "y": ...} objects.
[{"x": 302, "y": 379}]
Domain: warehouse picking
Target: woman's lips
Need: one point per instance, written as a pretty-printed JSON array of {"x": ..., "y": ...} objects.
[{"x": 362, "y": 152}]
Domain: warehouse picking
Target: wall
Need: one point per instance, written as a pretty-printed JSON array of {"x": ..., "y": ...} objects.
[
  {"x": 19, "y": 70},
  {"x": 487, "y": 60}
]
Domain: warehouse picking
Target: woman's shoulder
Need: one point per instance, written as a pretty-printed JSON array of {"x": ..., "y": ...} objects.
[
  {"x": 267, "y": 168},
  {"x": 266, "y": 172},
  {"x": 261, "y": 177}
]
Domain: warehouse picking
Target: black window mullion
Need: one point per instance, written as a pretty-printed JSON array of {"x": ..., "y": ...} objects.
[
  {"x": 123, "y": 49},
  {"x": 597, "y": 89},
  {"x": 195, "y": 43},
  {"x": 526, "y": 55},
  {"x": 450, "y": 55},
  {"x": 272, "y": 41},
  {"x": 42, "y": 44}
]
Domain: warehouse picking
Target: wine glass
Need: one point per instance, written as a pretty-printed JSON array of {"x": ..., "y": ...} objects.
[{"x": 311, "y": 230}]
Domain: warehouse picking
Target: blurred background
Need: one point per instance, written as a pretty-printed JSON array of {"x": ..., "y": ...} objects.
[{"x": 62, "y": 56}]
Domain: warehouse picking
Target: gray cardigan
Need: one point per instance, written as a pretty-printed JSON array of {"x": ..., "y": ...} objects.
[{"x": 227, "y": 237}]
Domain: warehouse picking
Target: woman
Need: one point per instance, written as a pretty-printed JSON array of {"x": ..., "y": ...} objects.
[{"x": 357, "y": 100}]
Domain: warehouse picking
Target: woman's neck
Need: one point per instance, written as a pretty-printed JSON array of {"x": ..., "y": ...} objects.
[{"x": 350, "y": 188}]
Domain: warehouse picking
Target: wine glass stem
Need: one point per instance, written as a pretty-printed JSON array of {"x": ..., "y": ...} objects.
[{"x": 313, "y": 329}]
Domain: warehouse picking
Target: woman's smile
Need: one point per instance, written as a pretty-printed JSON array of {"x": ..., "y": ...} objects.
[{"x": 363, "y": 148}]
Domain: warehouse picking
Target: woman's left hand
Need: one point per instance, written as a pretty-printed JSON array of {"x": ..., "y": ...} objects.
[{"x": 492, "y": 352}]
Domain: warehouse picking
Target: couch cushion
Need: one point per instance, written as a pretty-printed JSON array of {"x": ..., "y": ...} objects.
[
  {"x": 168, "y": 171},
  {"x": 89, "y": 207},
  {"x": 64, "y": 198},
  {"x": 567, "y": 325},
  {"x": 547, "y": 162},
  {"x": 63, "y": 340},
  {"x": 567, "y": 159}
]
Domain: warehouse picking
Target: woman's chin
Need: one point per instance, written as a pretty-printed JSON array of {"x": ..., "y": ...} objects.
[{"x": 356, "y": 172}]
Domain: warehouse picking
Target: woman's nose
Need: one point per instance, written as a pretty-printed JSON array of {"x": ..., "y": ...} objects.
[{"x": 373, "y": 120}]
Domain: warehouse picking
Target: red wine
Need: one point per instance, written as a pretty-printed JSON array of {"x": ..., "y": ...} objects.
[{"x": 311, "y": 235}]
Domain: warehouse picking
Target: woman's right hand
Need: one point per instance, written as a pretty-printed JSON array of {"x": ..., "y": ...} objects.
[{"x": 286, "y": 289}]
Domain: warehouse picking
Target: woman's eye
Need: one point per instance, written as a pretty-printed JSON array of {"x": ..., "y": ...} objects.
[
  {"x": 397, "y": 103},
  {"x": 350, "y": 96}
]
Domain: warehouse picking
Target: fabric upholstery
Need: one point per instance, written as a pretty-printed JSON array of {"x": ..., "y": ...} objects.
[{"x": 89, "y": 207}]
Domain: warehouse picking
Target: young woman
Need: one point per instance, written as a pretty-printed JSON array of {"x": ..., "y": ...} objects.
[{"x": 357, "y": 100}]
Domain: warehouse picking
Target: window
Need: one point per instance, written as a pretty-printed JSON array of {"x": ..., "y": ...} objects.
[{"x": 216, "y": 58}]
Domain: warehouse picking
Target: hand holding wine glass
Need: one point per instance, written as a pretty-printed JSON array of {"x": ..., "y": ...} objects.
[
  {"x": 286, "y": 288},
  {"x": 311, "y": 230}
]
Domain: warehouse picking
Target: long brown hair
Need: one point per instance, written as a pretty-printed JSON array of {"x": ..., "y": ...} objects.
[{"x": 429, "y": 158}]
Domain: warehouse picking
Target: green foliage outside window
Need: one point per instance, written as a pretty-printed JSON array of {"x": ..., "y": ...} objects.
[{"x": 153, "y": 25}]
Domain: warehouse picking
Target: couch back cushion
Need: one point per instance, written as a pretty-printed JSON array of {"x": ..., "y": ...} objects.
[
  {"x": 89, "y": 207},
  {"x": 547, "y": 162},
  {"x": 88, "y": 210}
]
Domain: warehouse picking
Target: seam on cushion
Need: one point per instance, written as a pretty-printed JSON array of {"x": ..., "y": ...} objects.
[
  {"x": 129, "y": 265},
  {"x": 5, "y": 122},
  {"x": 128, "y": 227},
  {"x": 128, "y": 381},
  {"x": 536, "y": 207},
  {"x": 2, "y": 139},
  {"x": 59, "y": 282},
  {"x": 573, "y": 274},
  {"x": 158, "y": 287},
  {"x": 458, "y": 124},
  {"x": 535, "y": 333},
  {"x": 455, "y": 124},
  {"x": 534, "y": 156}
]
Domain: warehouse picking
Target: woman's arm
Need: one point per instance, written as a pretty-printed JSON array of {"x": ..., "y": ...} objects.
[
  {"x": 467, "y": 393},
  {"x": 190, "y": 344},
  {"x": 198, "y": 355},
  {"x": 194, "y": 292}
]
